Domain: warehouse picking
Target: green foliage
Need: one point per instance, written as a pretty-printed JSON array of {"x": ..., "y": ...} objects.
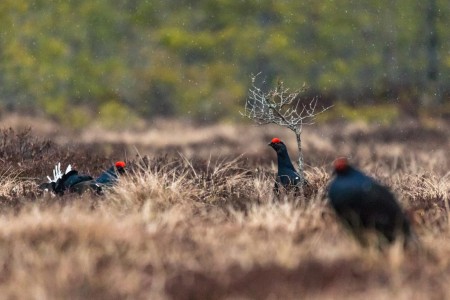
[
  {"x": 195, "y": 57},
  {"x": 381, "y": 113},
  {"x": 115, "y": 115}
]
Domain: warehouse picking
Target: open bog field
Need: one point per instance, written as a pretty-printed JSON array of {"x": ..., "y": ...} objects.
[{"x": 195, "y": 217}]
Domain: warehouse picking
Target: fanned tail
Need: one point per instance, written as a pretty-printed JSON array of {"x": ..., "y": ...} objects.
[
  {"x": 57, "y": 174},
  {"x": 68, "y": 169}
]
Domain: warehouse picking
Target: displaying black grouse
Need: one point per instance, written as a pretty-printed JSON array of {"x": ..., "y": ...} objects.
[
  {"x": 72, "y": 181},
  {"x": 287, "y": 175},
  {"x": 362, "y": 203}
]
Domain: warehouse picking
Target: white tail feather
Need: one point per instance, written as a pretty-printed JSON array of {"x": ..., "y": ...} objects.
[{"x": 57, "y": 172}]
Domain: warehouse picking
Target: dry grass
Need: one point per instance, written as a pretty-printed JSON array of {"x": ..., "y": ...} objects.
[{"x": 195, "y": 218}]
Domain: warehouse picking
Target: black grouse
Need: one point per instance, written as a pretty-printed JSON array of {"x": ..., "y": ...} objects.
[
  {"x": 287, "y": 175},
  {"x": 362, "y": 203},
  {"x": 72, "y": 181}
]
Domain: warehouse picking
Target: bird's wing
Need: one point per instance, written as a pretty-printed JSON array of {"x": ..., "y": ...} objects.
[
  {"x": 64, "y": 182},
  {"x": 75, "y": 178},
  {"x": 382, "y": 196},
  {"x": 296, "y": 178},
  {"x": 293, "y": 177},
  {"x": 385, "y": 210}
]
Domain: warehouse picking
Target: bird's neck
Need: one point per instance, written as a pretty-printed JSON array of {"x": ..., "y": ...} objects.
[
  {"x": 285, "y": 160},
  {"x": 111, "y": 171}
]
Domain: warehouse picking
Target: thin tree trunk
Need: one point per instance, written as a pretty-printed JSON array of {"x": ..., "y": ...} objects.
[{"x": 300, "y": 156}]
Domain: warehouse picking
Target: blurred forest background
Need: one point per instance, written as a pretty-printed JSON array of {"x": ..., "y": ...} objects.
[{"x": 119, "y": 61}]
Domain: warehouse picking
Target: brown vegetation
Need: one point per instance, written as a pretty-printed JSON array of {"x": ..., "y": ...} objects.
[{"x": 195, "y": 218}]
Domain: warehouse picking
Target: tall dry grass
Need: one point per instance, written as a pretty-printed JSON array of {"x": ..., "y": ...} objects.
[{"x": 198, "y": 220}]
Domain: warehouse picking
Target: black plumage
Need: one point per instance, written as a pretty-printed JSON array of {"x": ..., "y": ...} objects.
[
  {"x": 71, "y": 181},
  {"x": 68, "y": 180},
  {"x": 362, "y": 203},
  {"x": 287, "y": 175},
  {"x": 107, "y": 179}
]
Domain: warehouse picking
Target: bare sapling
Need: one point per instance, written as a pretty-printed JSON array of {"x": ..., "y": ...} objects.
[{"x": 282, "y": 107}]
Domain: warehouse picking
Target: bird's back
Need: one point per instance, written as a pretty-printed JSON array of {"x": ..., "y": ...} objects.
[
  {"x": 361, "y": 201},
  {"x": 68, "y": 180},
  {"x": 109, "y": 177}
]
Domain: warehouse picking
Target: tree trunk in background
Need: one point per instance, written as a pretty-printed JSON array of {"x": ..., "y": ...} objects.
[{"x": 432, "y": 95}]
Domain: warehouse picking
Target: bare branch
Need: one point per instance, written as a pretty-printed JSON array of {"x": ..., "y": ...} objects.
[{"x": 282, "y": 107}]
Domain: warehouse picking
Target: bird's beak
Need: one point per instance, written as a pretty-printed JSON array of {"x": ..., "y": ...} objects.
[{"x": 270, "y": 144}]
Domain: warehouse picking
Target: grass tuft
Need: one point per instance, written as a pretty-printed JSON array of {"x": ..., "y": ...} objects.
[{"x": 196, "y": 219}]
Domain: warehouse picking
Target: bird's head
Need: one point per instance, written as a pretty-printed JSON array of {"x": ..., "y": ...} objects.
[
  {"x": 277, "y": 144},
  {"x": 341, "y": 165},
  {"x": 120, "y": 166}
]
